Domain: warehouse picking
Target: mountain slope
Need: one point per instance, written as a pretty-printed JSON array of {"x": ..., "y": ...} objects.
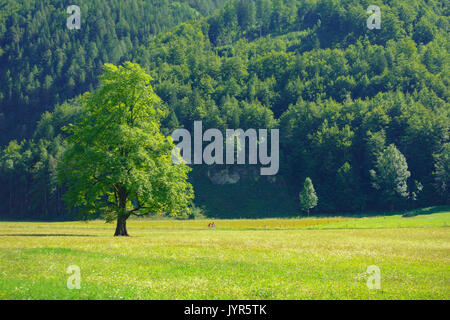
[
  {"x": 42, "y": 63},
  {"x": 339, "y": 93}
]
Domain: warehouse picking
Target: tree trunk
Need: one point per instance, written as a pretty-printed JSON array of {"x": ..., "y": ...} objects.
[
  {"x": 10, "y": 196},
  {"x": 121, "y": 228}
]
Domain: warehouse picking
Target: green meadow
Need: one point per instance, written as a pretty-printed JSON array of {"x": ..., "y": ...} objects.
[{"x": 307, "y": 258}]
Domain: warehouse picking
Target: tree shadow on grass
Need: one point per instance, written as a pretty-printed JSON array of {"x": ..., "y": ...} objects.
[
  {"x": 425, "y": 211},
  {"x": 46, "y": 235}
]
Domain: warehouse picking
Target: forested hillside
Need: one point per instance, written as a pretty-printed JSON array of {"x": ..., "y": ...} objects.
[
  {"x": 42, "y": 63},
  {"x": 340, "y": 94}
]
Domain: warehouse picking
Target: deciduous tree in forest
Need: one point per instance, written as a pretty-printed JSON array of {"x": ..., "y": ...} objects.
[
  {"x": 442, "y": 172},
  {"x": 391, "y": 175}
]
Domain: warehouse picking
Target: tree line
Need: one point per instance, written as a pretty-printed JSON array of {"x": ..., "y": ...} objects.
[{"x": 355, "y": 107}]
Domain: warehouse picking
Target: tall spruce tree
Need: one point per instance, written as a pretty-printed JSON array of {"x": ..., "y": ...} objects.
[{"x": 308, "y": 197}]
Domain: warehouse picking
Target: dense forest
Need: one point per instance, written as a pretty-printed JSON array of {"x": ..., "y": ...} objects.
[
  {"x": 42, "y": 63},
  {"x": 356, "y": 108}
]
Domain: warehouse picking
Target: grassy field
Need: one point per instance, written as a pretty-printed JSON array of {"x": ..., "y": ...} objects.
[{"x": 311, "y": 258}]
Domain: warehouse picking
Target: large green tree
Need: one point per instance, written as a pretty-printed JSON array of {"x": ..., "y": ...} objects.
[
  {"x": 339, "y": 93},
  {"x": 118, "y": 163}
]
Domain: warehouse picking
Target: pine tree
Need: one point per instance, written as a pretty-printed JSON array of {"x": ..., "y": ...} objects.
[{"x": 308, "y": 197}]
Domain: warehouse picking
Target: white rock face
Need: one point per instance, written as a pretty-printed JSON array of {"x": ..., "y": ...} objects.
[
  {"x": 224, "y": 176},
  {"x": 232, "y": 175}
]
